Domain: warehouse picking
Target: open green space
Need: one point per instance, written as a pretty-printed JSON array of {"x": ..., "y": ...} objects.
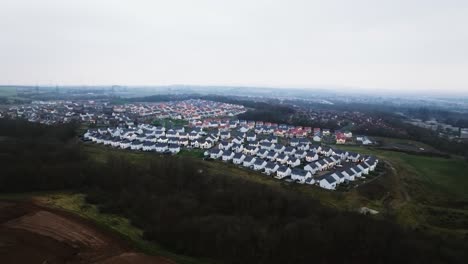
[
  {"x": 195, "y": 153},
  {"x": 7, "y": 91},
  {"x": 170, "y": 123}
]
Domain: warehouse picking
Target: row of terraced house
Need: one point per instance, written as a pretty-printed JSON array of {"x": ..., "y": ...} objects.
[{"x": 249, "y": 144}]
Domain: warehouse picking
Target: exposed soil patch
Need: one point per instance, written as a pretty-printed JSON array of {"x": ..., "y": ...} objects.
[{"x": 31, "y": 233}]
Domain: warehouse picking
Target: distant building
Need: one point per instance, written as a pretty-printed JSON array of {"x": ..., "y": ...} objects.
[{"x": 464, "y": 133}]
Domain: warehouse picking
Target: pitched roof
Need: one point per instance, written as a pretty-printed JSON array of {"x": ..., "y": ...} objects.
[
  {"x": 227, "y": 153},
  {"x": 259, "y": 162},
  {"x": 271, "y": 165},
  {"x": 238, "y": 155},
  {"x": 300, "y": 172}
]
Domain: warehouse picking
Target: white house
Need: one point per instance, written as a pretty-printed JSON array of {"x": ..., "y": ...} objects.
[
  {"x": 193, "y": 135},
  {"x": 349, "y": 174},
  {"x": 304, "y": 147},
  {"x": 224, "y": 145},
  {"x": 262, "y": 153},
  {"x": 225, "y": 135},
  {"x": 338, "y": 177},
  {"x": 316, "y": 148},
  {"x": 248, "y": 161},
  {"x": 251, "y": 137},
  {"x": 148, "y": 146},
  {"x": 206, "y": 144},
  {"x": 228, "y": 155},
  {"x": 327, "y": 182},
  {"x": 321, "y": 165},
  {"x": 311, "y": 156},
  {"x": 259, "y": 164},
  {"x": 271, "y": 139},
  {"x": 289, "y": 151},
  {"x": 336, "y": 159},
  {"x": 183, "y": 135},
  {"x": 300, "y": 154},
  {"x": 294, "y": 162},
  {"x": 283, "y": 171},
  {"x": 173, "y": 140},
  {"x": 151, "y": 139},
  {"x": 237, "y": 140},
  {"x": 250, "y": 150},
  {"x": 136, "y": 145},
  {"x": 141, "y": 138},
  {"x": 279, "y": 148},
  {"x": 215, "y": 153},
  {"x": 310, "y": 181},
  {"x": 272, "y": 155},
  {"x": 125, "y": 144},
  {"x": 172, "y": 134},
  {"x": 300, "y": 175},
  {"x": 271, "y": 167},
  {"x": 161, "y": 147},
  {"x": 115, "y": 142},
  {"x": 163, "y": 139},
  {"x": 340, "y": 153},
  {"x": 354, "y": 157},
  {"x": 173, "y": 148},
  {"x": 282, "y": 158},
  {"x": 183, "y": 141},
  {"x": 267, "y": 145},
  {"x": 294, "y": 142},
  {"x": 244, "y": 129},
  {"x": 238, "y": 158},
  {"x": 357, "y": 171},
  {"x": 330, "y": 163},
  {"x": 237, "y": 148},
  {"x": 372, "y": 162},
  {"x": 326, "y": 151},
  {"x": 195, "y": 143},
  {"x": 364, "y": 168},
  {"x": 159, "y": 134},
  {"x": 312, "y": 167},
  {"x": 253, "y": 144}
]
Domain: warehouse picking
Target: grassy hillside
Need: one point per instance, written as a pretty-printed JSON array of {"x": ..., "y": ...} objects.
[
  {"x": 413, "y": 193},
  {"x": 428, "y": 192},
  {"x": 76, "y": 203}
]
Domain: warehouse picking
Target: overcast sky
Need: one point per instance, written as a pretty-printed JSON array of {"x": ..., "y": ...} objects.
[{"x": 378, "y": 45}]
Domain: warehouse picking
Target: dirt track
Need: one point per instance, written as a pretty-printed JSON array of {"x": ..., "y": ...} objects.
[{"x": 31, "y": 233}]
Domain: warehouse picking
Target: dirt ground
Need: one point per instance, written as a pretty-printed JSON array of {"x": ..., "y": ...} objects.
[{"x": 32, "y": 233}]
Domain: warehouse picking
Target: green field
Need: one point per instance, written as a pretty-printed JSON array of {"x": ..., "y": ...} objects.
[
  {"x": 8, "y": 92},
  {"x": 170, "y": 123}
]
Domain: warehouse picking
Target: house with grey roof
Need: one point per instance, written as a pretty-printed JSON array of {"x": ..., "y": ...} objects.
[
  {"x": 259, "y": 164},
  {"x": 271, "y": 167},
  {"x": 282, "y": 172},
  {"x": 300, "y": 175},
  {"x": 327, "y": 182}
]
